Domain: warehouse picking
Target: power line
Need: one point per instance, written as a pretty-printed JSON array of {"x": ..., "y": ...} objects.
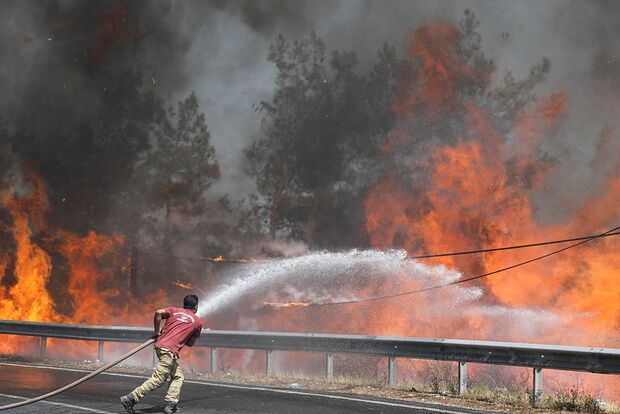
[
  {"x": 518, "y": 246},
  {"x": 426, "y": 289},
  {"x": 220, "y": 259}
]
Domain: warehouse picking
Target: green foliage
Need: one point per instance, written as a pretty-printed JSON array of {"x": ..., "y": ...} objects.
[
  {"x": 85, "y": 165},
  {"x": 321, "y": 129},
  {"x": 326, "y": 130},
  {"x": 498, "y": 395},
  {"x": 181, "y": 163},
  {"x": 170, "y": 178},
  {"x": 574, "y": 399},
  {"x": 129, "y": 169},
  {"x": 507, "y": 100}
]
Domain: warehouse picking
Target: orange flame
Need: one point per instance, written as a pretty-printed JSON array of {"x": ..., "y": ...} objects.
[
  {"x": 91, "y": 291},
  {"x": 476, "y": 191},
  {"x": 477, "y": 196}
]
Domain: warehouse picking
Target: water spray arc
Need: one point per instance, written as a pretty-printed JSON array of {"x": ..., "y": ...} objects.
[
  {"x": 469, "y": 279},
  {"x": 294, "y": 263},
  {"x": 363, "y": 263}
]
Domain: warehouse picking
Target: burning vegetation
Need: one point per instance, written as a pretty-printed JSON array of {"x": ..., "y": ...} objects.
[{"x": 421, "y": 152}]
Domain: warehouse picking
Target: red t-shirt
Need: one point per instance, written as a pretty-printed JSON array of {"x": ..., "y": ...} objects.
[{"x": 181, "y": 325}]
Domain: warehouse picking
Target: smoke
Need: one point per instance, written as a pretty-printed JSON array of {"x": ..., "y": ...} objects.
[
  {"x": 224, "y": 46},
  {"x": 63, "y": 59},
  {"x": 59, "y": 57}
]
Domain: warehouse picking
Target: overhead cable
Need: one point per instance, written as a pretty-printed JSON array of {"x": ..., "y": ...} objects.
[
  {"x": 220, "y": 259},
  {"x": 518, "y": 246},
  {"x": 468, "y": 279}
]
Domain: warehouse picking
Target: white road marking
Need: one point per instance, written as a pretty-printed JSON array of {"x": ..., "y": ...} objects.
[
  {"x": 449, "y": 408},
  {"x": 335, "y": 397},
  {"x": 91, "y": 410}
]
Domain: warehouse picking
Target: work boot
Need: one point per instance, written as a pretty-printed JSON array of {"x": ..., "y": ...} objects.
[
  {"x": 170, "y": 408},
  {"x": 128, "y": 402}
]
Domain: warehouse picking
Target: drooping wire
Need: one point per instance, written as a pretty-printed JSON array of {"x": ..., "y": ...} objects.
[
  {"x": 468, "y": 279},
  {"x": 518, "y": 246},
  {"x": 220, "y": 259}
]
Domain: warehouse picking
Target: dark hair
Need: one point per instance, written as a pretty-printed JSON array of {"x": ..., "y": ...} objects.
[{"x": 190, "y": 302}]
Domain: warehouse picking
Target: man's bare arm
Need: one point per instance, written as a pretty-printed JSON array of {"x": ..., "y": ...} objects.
[{"x": 159, "y": 315}]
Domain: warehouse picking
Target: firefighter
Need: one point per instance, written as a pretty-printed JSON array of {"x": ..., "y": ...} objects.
[{"x": 182, "y": 327}]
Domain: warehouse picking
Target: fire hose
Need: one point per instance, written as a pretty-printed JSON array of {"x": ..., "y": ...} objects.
[{"x": 81, "y": 380}]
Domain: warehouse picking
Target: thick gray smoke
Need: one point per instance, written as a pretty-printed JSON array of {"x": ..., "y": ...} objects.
[
  {"x": 61, "y": 58},
  {"x": 579, "y": 37},
  {"x": 58, "y": 55}
]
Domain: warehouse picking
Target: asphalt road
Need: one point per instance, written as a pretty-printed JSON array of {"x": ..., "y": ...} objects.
[{"x": 101, "y": 395}]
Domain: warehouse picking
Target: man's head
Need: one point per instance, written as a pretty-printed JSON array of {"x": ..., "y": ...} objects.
[{"x": 190, "y": 302}]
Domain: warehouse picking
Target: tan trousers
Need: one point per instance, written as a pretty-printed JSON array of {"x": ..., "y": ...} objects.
[{"x": 167, "y": 366}]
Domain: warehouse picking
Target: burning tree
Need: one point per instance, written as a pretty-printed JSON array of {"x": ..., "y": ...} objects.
[
  {"x": 317, "y": 154},
  {"x": 430, "y": 152},
  {"x": 76, "y": 194},
  {"x": 450, "y": 157},
  {"x": 332, "y": 134}
]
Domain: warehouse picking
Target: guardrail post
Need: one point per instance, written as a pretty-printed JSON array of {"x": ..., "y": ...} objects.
[
  {"x": 213, "y": 360},
  {"x": 392, "y": 370},
  {"x": 329, "y": 367},
  {"x": 43, "y": 348},
  {"x": 462, "y": 378},
  {"x": 537, "y": 386},
  {"x": 100, "y": 352},
  {"x": 269, "y": 361}
]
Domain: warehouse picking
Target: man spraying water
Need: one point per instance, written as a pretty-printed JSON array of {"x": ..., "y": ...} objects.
[{"x": 182, "y": 327}]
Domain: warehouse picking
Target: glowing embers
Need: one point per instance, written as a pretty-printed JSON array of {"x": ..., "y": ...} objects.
[
  {"x": 187, "y": 286},
  {"x": 288, "y": 304},
  {"x": 182, "y": 285}
]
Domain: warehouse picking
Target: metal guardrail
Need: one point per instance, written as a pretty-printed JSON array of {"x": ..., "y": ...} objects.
[{"x": 596, "y": 360}]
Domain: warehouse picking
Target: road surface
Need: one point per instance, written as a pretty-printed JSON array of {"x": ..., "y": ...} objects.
[{"x": 101, "y": 395}]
